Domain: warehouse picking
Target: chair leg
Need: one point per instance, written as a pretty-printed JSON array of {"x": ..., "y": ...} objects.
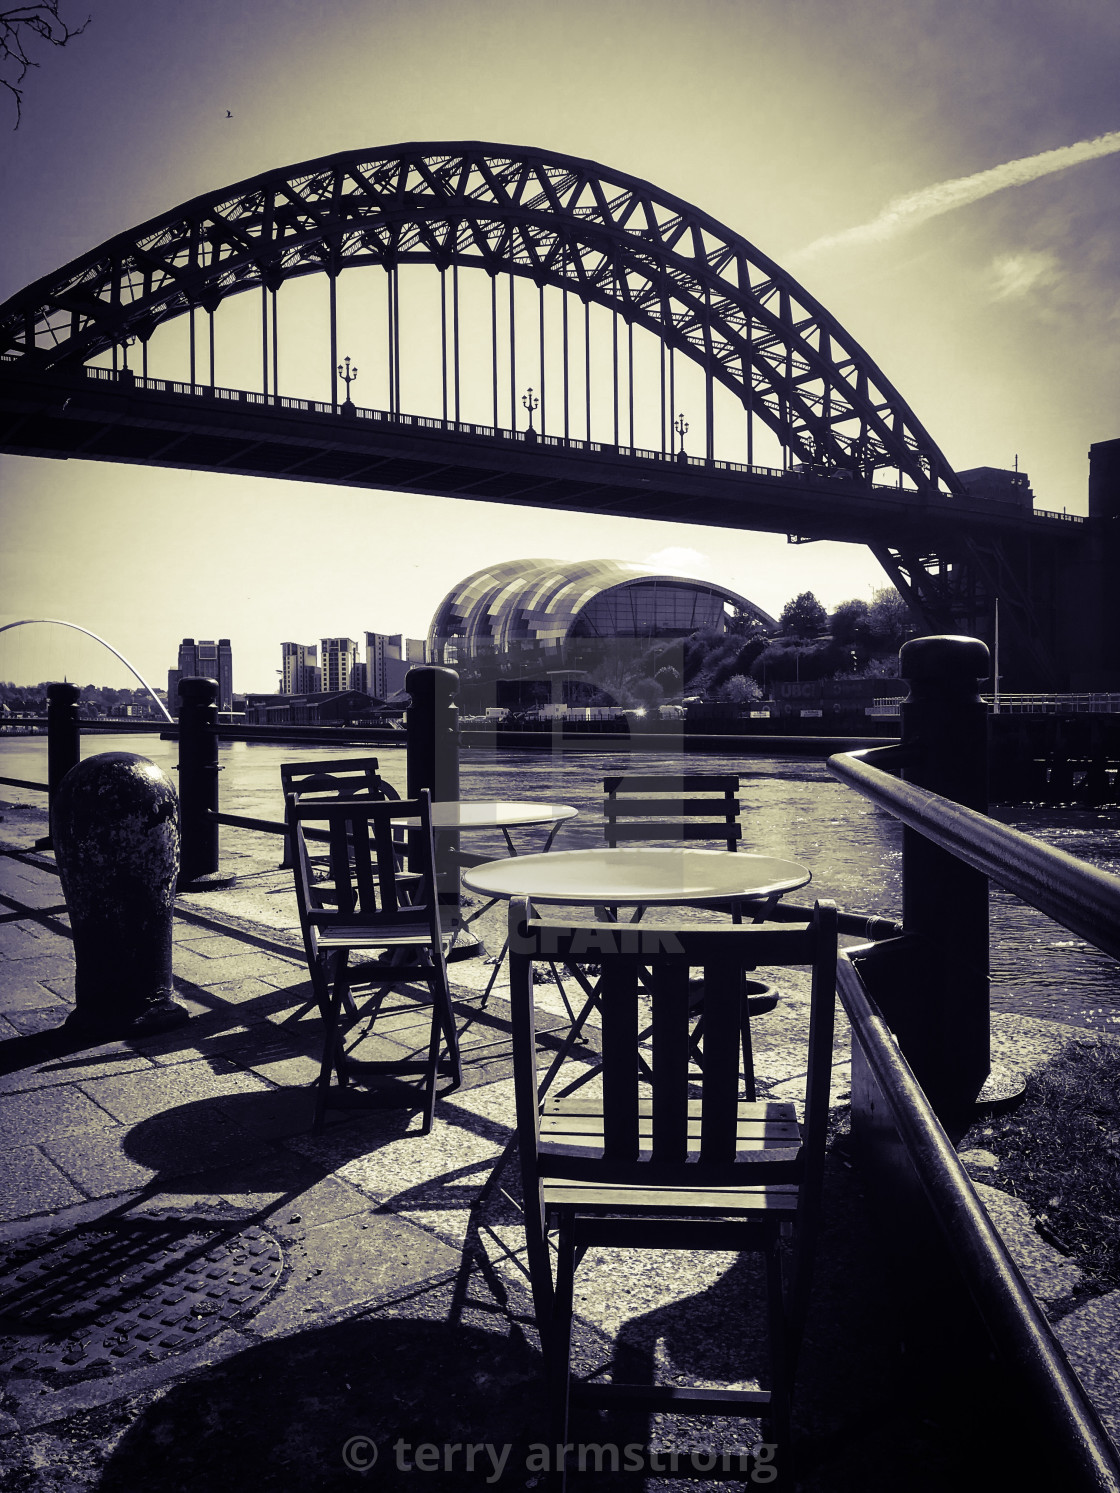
[
  {"x": 781, "y": 1367},
  {"x": 332, "y": 1057},
  {"x": 558, "y": 1344}
]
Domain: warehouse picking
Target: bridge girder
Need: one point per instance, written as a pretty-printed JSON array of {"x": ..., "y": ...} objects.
[{"x": 610, "y": 238}]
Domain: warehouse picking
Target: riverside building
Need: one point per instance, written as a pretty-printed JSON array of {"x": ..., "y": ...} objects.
[{"x": 211, "y": 660}]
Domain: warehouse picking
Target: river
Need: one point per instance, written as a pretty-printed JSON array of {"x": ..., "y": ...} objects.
[{"x": 792, "y": 807}]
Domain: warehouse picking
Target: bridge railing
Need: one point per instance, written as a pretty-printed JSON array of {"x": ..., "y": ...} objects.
[
  {"x": 1025, "y": 704},
  {"x": 226, "y": 395},
  {"x": 918, "y": 1008}
]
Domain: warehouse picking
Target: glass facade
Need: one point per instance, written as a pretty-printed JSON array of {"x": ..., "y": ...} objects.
[{"x": 522, "y": 606}]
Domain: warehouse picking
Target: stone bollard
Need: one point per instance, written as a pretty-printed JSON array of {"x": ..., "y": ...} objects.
[
  {"x": 117, "y": 845},
  {"x": 945, "y": 1034},
  {"x": 64, "y": 741},
  {"x": 198, "y": 778},
  {"x": 432, "y": 757}
]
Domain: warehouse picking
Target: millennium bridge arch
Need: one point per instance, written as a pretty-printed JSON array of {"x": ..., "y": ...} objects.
[
  {"x": 97, "y": 638},
  {"x": 856, "y": 463}
]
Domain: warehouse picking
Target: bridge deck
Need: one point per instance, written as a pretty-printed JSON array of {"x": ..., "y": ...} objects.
[{"x": 94, "y": 416}]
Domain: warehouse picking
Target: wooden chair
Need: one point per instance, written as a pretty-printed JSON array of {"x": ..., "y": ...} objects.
[
  {"x": 691, "y": 806},
  {"x": 688, "y": 1163},
  {"x": 343, "y": 777},
  {"x": 376, "y": 907}
]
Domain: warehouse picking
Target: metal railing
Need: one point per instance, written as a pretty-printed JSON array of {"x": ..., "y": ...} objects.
[
  {"x": 1027, "y": 704},
  {"x": 493, "y": 432},
  {"x": 918, "y": 1007}
]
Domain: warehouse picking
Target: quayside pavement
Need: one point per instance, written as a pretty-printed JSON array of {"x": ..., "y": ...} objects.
[{"x": 198, "y": 1294}]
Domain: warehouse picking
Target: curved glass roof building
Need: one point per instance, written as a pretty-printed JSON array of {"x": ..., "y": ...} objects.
[{"x": 521, "y": 606}]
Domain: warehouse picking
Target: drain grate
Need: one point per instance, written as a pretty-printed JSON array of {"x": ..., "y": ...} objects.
[{"x": 122, "y": 1293}]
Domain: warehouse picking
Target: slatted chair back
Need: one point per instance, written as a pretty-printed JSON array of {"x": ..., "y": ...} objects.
[
  {"x": 666, "y": 806},
  {"x": 342, "y": 777},
  {"x": 369, "y": 889},
  {"x": 345, "y": 777},
  {"x": 683, "y": 1128}
]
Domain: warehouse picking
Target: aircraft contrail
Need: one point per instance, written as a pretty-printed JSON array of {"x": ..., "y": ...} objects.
[{"x": 916, "y": 207}]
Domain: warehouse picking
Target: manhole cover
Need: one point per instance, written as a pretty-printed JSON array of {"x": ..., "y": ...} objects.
[{"x": 125, "y": 1292}]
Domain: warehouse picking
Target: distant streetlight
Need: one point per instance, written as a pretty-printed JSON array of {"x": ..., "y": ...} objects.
[
  {"x": 680, "y": 425},
  {"x": 531, "y": 402},
  {"x": 347, "y": 375}
]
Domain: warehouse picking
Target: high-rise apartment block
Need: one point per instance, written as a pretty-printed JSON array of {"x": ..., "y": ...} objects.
[
  {"x": 206, "y": 658},
  {"x": 301, "y": 674},
  {"x": 388, "y": 659},
  {"x": 339, "y": 655}
]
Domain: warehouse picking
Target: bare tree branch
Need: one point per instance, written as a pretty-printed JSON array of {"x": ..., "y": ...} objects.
[{"x": 21, "y": 27}]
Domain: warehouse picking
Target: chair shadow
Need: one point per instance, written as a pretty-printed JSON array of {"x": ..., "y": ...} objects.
[{"x": 310, "y": 1411}]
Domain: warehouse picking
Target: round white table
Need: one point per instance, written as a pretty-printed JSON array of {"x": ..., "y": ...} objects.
[
  {"x": 645, "y": 875},
  {"x": 496, "y": 814}
]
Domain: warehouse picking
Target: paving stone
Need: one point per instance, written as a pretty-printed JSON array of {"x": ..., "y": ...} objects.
[
  {"x": 44, "y": 1067},
  {"x": 22, "y": 991},
  {"x": 256, "y": 963},
  {"x": 45, "y": 1112},
  {"x": 104, "y": 1162},
  {"x": 1049, "y": 1274},
  {"x": 1091, "y": 1337},
  {"x": 134, "y": 1096},
  {"x": 341, "y": 1265},
  {"x": 30, "y": 1183},
  {"x": 20, "y": 940}
]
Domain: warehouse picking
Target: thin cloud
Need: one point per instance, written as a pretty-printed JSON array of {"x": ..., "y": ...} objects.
[
  {"x": 918, "y": 207},
  {"x": 1018, "y": 274},
  {"x": 677, "y": 558}
]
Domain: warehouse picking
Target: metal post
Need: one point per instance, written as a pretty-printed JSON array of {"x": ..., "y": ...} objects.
[
  {"x": 264, "y": 339},
  {"x": 275, "y": 347},
  {"x": 494, "y": 342},
  {"x": 630, "y": 373},
  {"x": 455, "y": 314},
  {"x": 432, "y": 762},
  {"x": 64, "y": 741},
  {"x": 198, "y": 778},
  {"x": 512, "y": 358},
  {"x": 443, "y": 334},
  {"x": 614, "y": 347},
  {"x": 587, "y": 363},
  {"x": 332, "y": 280},
  {"x": 944, "y": 1028},
  {"x": 564, "y": 339},
  {"x": 540, "y": 339}
]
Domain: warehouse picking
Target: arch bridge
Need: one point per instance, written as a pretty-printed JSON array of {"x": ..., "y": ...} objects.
[{"x": 620, "y": 352}]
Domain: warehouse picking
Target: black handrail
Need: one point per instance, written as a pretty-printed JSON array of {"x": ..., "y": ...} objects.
[
  {"x": 1014, "y": 1320},
  {"x": 1078, "y": 896}
]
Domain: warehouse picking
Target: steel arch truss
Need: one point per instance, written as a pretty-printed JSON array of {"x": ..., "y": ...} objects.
[{"x": 611, "y": 239}]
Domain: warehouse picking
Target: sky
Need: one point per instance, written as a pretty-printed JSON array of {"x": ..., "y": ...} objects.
[{"x": 942, "y": 175}]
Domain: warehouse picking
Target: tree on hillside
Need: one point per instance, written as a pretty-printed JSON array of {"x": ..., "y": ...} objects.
[
  {"x": 740, "y": 689},
  {"x": 21, "y": 27},
  {"x": 889, "y": 621},
  {"x": 804, "y": 616},
  {"x": 848, "y": 623}
]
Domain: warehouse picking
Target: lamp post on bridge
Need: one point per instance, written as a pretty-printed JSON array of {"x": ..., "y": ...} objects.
[
  {"x": 680, "y": 425},
  {"x": 348, "y": 375},
  {"x": 531, "y": 402}
]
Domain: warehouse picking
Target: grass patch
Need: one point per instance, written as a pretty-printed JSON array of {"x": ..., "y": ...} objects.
[{"x": 1059, "y": 1151}]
